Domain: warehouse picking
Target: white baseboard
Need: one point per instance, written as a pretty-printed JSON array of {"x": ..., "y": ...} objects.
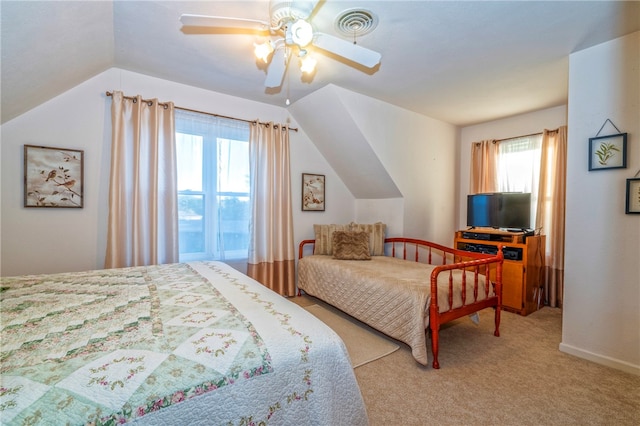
[{"x": 600, "y": 359}]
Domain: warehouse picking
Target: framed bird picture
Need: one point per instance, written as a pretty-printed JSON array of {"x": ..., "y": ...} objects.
[
  {"x": 312, "y": 192},
  {"x": 53, "y": 177}
]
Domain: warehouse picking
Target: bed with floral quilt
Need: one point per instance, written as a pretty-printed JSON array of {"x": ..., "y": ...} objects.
[{"x": 189, "y": 343}]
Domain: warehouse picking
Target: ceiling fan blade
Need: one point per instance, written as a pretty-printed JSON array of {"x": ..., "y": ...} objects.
[
  {"x": 276, "y": 70},
  {"x": 309, "y": 7},
  {"x": 314, "y": 5},
  {"x": 347, "y": 50},
  {"x": 189, "y": 20}
]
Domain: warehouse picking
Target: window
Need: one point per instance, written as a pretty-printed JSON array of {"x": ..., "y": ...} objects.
[
  {"x": 519, "y": 167},
  {"x": 213, "y": 187}
]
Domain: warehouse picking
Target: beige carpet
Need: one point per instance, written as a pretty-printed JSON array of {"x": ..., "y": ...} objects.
[
  {"x": 363, "y": 344},
  {"x": 519, "y": 378}
]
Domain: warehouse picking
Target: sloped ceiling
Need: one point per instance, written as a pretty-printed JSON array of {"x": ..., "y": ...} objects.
[
  {"x": 328, "y": 122},
  {"x": 50, "y": 47},
  {"x": 460, "y": 62}
]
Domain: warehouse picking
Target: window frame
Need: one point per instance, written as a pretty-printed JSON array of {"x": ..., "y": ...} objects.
[{"x": 211, "y": 136}]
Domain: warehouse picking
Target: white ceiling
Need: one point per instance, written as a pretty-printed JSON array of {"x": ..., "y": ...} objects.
[{"x": 462, "y": 62}]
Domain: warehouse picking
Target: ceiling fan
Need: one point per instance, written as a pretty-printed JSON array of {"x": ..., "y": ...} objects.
[{"x": 289, "y": 32}]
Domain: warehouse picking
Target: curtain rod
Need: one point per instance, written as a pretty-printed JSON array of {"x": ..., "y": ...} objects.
[{"x": 295, "y": 129}]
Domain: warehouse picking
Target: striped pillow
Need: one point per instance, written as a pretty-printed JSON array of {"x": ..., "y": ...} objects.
[
  {"x": 324, "y": 237},
  {"x": 376, "y": 235}
]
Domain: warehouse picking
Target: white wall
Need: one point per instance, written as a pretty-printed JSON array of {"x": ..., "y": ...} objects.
[
  {"x": 340, "y": 203},
  {"x": 44, "y": 240},
  {"x": 601, "y": 318},
  {"x": 419, "y": 153},
  {"x": 389, "y": 211},
  {"x": 524, "y": 124}
]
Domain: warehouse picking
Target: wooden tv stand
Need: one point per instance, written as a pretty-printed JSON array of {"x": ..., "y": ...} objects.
[{"x": 523, "y": 268}]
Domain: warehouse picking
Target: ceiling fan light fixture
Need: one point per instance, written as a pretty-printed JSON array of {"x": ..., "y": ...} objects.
[
  {"x": 308, "y": 64},
  {"x": 290, "y": 33},
  {"x": 263, "y": 50},
  {"x": 301, "y": 33}
]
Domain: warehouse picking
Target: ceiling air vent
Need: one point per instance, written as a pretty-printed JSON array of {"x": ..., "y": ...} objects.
[{"x": 356, "y": 22}]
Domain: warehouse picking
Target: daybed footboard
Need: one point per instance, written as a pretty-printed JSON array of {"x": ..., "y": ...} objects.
[{"x": 416, "y": 285}]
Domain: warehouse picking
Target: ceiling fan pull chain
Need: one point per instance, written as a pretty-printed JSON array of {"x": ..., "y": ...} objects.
[{"x": 288, "y": 102}]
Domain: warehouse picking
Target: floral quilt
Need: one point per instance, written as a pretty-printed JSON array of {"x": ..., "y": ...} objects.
[{"x": 194, "y": 343}]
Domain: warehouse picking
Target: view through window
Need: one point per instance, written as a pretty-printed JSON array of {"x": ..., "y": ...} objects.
[
  {"x": 213, "y": 187},
  {"x": 519, "y": 167}
]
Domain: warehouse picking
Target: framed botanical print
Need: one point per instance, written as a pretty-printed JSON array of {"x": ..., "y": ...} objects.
[
  {"x": 53, "y": 177},
  {"x": 608, "y": 152},
  {"x": 633, "y": 196}
]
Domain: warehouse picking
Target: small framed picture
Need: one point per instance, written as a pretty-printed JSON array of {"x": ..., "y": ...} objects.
[
  {"x": 312, "y": 192},
  {"x": 53, "y": 177},
  {"x": 633, "y": 196},
  {"x": 608, "y": 152}
]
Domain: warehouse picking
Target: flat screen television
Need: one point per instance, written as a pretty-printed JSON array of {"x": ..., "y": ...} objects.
[{"x": 501, "y": 210}]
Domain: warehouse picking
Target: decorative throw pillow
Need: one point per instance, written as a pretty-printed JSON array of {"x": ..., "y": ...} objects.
[
  {"x": 376, "y": 233},
  {"x": 349, "y": 245},
  {"x": 324, "y": 237}
]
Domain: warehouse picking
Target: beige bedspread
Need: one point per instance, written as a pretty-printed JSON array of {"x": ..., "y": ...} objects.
[{"x": 389, "y": 294}]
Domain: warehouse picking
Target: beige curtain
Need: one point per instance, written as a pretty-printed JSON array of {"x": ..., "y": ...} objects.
[
  {"x": 143, "y": 213},
  {"x": 550, "y": 215},
  {"x": 271, "y": 249},
  {"x": 484, "y": 170}
]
